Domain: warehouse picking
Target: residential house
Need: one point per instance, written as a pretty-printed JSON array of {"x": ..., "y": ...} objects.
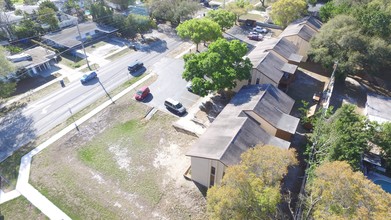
[
  {"x": 378, "y": 108},
  {"x": 34, "y": 60},
  {"x": 257, "y": 114},
  {"x": 300, "y": 33},
  {"x": 269, "y": 67},
  {"x": 70, "y": 38}
]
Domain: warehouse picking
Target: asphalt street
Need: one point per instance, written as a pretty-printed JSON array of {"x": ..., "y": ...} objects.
[{"x": 24, "y": 125}]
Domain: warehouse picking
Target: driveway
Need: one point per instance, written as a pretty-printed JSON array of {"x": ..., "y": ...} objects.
[{"x": 170, "y": 84}]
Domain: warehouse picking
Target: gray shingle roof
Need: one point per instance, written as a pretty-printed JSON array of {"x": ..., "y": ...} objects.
[
  {"x": 39, "y": 56},
  {"x": 282, "y": 46},
  {"x": 69, "y": 36},
  {"x": 310, "y": 21},
  {"x": 233, "y": 131},
  {"x": 300, "y": 29},
  {"x": 269, "y": 64}
]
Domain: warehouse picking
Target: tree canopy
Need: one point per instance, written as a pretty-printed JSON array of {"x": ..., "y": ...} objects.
[
  {"x": 48, "y": 4},
  {"x": 198, "y": 30},
  {"x": 382, "y": 137},
  {"x": 246, "y": 191},
  {"x": 217, "y": 68},
  {"x": 6, "y": 67},
  {"x": 172, "y": 10},
  {"x": 285, "y": 11},
  {"x": 101, "y": 14},
  {"x": 123, "y": 3},
  {"x": 357, "y": 35},
  {"x": 343, "y": 136},
  {"x": 46, "y": 15},
  {"x": 224, "y": 18},
  {"x": 239, "y": 7},
  {"x": 336, "y": 192},
  {"x": 341, "y": 40}
]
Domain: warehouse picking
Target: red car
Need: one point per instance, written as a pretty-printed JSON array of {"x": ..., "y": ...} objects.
[{"x": 142, "y": 93}]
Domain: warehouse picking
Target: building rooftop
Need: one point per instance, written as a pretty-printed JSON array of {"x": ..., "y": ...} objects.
[
  {"x": 281, "y": 46},
  {"x": 270, "y": 64},
  {"x": 234, "y": 131},
  {"x": 299, "y": 29},
  {"x": 69, "y": 37},
  {"x": 39, "y": 56}
]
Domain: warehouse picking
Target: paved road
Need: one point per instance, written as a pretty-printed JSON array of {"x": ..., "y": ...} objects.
[{"x": 36, "y": 118}]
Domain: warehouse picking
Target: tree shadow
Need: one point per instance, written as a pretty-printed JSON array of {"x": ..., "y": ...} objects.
[
  {"x": 16, "y": 130},
  {"x": 159, "y": 46}
]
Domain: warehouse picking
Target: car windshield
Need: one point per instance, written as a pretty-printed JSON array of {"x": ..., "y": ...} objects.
[
  {"x": 139, "y": 92},
  {"x": 179, "y": 105}
]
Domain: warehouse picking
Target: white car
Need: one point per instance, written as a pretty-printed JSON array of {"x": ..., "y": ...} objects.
[{"x": 260, "y": 30}]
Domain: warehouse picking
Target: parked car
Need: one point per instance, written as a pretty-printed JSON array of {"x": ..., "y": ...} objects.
[
  {"x": 142, "y": 93},
  {"x": 133, "y": 67},
  {"x": 174, "y": 106},
  {"x": 255, "y": 36},
  {"x": 260, "y": 30},
  {"x": 87, "y": 77}
]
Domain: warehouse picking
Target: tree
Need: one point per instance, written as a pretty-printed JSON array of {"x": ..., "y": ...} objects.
[
  {"x": 6, "y": 67},
  {"x": 239, "y": 7},
  {"x": 140, "y": 23},
  {"x": 330, "y": 10},
  {"x": 217, "y": 68},
  {"x": 26, "y": 28},
  {"x": 198, "y": 30},
  {"x": 336, "y": 192},
  {"x": 224, "y": 18},
  {"x": 48, "y": 16},
  {"x": 124, "y": 4},
  {"x": 48, "y": 4},
  {"x": 6, "y": 89},
  {"x": 246, "y": 191},
  {"x": 9, "y": 5},
  {"x": 382, "y": 138},
  {"x": 72, "y": 7},
  {"x": 343, "y": 136},
  {"x": 101, "y": 14},
  {"x": 172, "y": 10},
  {"x": 285, "y": 11},
  {"x": 341, "y": 39}
]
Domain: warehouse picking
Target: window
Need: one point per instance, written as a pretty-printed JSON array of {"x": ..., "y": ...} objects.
[{"x": 212, "y": 176}]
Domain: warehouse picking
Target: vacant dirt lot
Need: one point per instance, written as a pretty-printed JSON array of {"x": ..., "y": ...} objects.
[{"x": 120, "y": 166}]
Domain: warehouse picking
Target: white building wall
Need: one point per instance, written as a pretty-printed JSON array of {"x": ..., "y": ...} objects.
[
  {"x": 256, "y": 74},
  {"x": 303, "y": 45},
  {"x": 201, "y": 171},
  {"x": 263, "y": 123}
]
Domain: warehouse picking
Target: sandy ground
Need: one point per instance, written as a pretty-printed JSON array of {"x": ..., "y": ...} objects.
[{"x": 129, "y": 181}]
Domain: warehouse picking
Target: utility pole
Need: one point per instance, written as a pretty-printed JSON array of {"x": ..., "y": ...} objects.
[{"x": 82, "y": 44}]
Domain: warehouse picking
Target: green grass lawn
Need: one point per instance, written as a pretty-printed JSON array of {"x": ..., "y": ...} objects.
[
  {"x": 72, "y": 61},
  {"x": 20, "y": 209},
  {"x": 119, "y": 54},
  {"x": 9, "y": 168}
]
